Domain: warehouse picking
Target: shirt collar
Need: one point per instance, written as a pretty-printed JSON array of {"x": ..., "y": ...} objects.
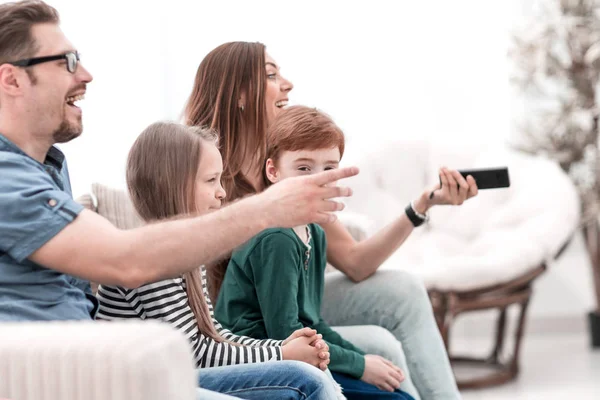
[{"x": 54, "y": 157}]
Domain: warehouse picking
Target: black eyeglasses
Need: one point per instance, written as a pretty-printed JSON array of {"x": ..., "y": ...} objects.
[{"x": 72, "y": 58}]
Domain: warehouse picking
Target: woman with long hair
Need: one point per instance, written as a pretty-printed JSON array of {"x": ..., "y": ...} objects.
[{"x": 238, "y": 90}]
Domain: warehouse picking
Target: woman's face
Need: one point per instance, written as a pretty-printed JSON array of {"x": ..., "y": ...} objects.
[{"x": 278, "y": 87}]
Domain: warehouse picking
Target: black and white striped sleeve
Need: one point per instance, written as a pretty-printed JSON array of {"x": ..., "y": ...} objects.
[{"x": 167, "y": 301}]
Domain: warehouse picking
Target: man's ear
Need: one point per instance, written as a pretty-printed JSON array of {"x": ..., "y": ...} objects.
[
  {"x": 272, "y": 172},
  {"x": 9, "y": 80}
]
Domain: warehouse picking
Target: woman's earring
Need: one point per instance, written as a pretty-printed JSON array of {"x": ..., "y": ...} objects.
[{"x": 242, "y": 108}]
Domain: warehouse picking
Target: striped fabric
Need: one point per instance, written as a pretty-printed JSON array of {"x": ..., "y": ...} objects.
[{"x": 167, "y": 301}]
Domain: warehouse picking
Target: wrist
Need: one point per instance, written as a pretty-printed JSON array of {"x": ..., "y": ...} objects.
[
  {"x": 258, "y": 211},
  {"x": 362, "y": 368},
  {"x": 422, "y": 205},
  {"x": 417, "y": 214}
]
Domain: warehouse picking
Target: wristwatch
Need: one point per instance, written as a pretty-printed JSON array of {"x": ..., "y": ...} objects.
[{"x": 415, "y": 217}]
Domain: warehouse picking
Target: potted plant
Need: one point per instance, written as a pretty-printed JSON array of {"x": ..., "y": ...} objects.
[{"x": 557, "y": 71}]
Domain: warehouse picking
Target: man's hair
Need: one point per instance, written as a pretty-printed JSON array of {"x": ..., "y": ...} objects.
[
  {"x": 16, "y": 21},
  {"x": 302, "y": 128},
  {"x": 161, "y": 179}
]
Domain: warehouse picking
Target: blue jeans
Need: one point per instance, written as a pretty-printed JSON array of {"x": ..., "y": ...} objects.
[
  {"x": 355, "y": 389},
  {"x": 398, "y": 302},
  {"x": 293, "y": 380},
  {"x": 373, "y": 339},
  {"x": 203, "y": 394}
]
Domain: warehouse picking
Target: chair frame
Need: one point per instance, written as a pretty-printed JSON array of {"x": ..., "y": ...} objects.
[{"x": 448, "y": 305}]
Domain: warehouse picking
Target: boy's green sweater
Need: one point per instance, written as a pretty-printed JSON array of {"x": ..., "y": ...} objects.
[{"x": 274, "y": 285}]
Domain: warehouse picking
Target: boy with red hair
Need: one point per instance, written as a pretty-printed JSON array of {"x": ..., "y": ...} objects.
[{"x": 274, "y": 283}]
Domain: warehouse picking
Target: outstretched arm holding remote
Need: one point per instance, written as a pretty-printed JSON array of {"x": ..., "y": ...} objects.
[{"x": 359, "y": 260}]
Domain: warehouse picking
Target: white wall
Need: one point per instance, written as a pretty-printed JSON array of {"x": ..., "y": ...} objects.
[
  {"x": 124, "y": 51},
  {"x": 435, "y": 69}
]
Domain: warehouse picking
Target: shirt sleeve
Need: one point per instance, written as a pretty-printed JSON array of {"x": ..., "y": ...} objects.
[
  {"x": 33, "y": 209},
  {"x": 333, "y": 337},
  {"x": 275, "y": 268},
  {"x": 345, "y": 357},
  {"x": 274, "y": 353},
  {"x": 167, "y": 301}
]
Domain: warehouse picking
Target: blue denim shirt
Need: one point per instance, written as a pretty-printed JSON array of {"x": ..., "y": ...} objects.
[{"x": 35, "y": 204}]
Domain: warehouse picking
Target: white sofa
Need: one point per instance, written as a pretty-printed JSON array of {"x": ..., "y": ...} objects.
[{"x": 130, "y": 360}]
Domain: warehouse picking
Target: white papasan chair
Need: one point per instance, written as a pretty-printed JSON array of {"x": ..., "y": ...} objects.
[{"x": 482, "y": 255}]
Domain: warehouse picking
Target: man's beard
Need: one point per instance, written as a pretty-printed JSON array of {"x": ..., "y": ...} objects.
[{"x": 66, "y": 132}]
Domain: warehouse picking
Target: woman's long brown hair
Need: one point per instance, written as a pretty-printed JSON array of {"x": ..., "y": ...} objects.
[
  {"x": 161, "y": 175},
  {"x": 228, "y": 73}
]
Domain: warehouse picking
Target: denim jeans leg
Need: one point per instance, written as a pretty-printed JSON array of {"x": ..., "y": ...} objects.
[
  {"x": 373, "y": 339},
  {"x": 397, "y": 301},
  {"x": 355, "y": 389},
  {"x": 293, "y": 380},
  {"x": 203, "y": 394}
]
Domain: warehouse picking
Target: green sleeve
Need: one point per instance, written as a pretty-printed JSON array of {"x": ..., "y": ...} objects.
[
  {"x": 275, "y": 267},
  {"x": 345, "y": 357},
  {"x": 333, "y": 337}
]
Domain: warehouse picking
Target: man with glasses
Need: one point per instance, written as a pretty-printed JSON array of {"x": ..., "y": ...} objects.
[
  {"x": 72, "y": 58},
  {"x": 50, "y": 247}
]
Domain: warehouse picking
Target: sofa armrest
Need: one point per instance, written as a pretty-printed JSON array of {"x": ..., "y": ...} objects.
[{"x": 130, "y": 360}]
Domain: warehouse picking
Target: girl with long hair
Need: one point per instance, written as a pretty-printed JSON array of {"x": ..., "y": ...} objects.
[{"x": 173, "y": 171}]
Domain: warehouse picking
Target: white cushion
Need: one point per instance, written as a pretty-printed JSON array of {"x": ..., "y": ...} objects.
[
  {"x": 493, "y": 238},
  {"x": 113, "y": 204}
]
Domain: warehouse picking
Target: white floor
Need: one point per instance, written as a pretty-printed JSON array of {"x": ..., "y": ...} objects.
[{"x": 558, "y": 366}]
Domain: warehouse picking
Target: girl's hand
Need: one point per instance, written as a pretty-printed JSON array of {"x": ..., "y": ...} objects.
[
  {"x": 321, "y": 345},
  {"x": 305, "y": 349},
  {"x": 308, "y": 332}
]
